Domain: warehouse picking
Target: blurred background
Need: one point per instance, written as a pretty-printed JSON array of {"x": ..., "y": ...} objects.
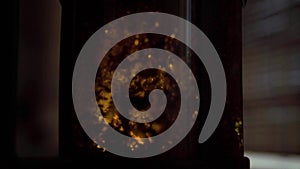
[{"x": 271, "y": 81}]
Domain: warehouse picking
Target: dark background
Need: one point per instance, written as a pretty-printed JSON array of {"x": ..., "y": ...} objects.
[{"x": 271, "y": 78}]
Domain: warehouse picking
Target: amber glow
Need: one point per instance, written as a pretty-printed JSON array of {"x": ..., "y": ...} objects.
[{"x": 140, "y": 86}]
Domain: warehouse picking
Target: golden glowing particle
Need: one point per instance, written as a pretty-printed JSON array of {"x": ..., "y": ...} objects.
[
  {"x": 195, "y": 114},
  {"x": 136, "y": 42},
  {"x": 121, "y": 128},
  {"x": 172, "y": 35},
  {"x": 131, "y": 123},
  {"x": 106, "y": 31},
  {"x": 139, "y": 140},
  {"x": 103, "y": 141},
  {"x": 104, "y": 129},
  {"x": 149, "y": 56},
  {"x": 116, "y": 123},
  {"x": 99, "y": 147},
  {"x": 237, "y": 131},
  {"x": 147, "y": 125},
  {"x": 238, "y": 123},
  {"x": 150, "y": 139},
  {"x": 132, "y": 145},
  {"x": 170, "y": 142},
  {"x": 150, "y": 80},
  {"x": 140, "y": 94},
  {"x": 197, "y": 97},
  {"x": 100, "y": 118},
  {"x": 105, "y": 104},
  {"x": 116, "y": 117},
  {"x": 156, "y": 24},
  {"x": 171, "y": 66},
  {"x": 146, "y": 40},
  {"x": 107, "y": 120},
  {"x": 163, "y": 68},
  {"x": 156, "y": 127},
  {"x": 143, "y": 82}
]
